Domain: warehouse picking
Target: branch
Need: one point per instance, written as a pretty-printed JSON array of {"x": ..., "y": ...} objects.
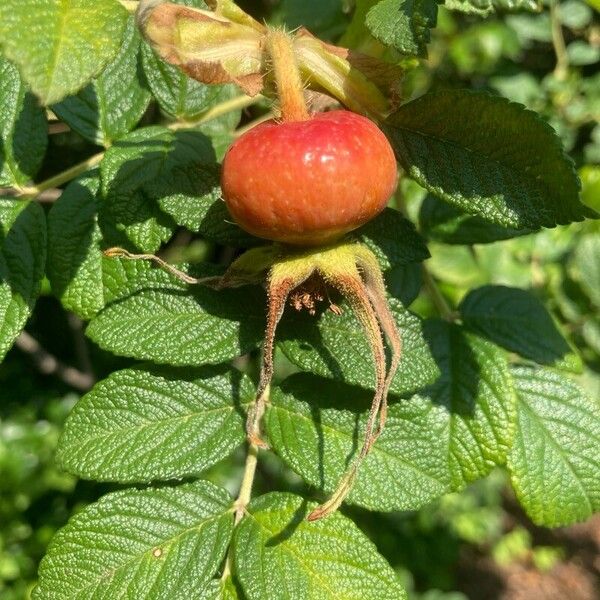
[
  {"x": 558, "y": 41},
  {"x": 48, "y": 364}
]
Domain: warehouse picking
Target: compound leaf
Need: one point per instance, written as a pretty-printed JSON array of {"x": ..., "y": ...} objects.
[
  {"x": 60, "y": 46},
  {"x": 278, "y": 554},
  {"x": 554, "y": 461},
  {"x": 153, "y": 543},
  {"x": 145, "y": 424}
]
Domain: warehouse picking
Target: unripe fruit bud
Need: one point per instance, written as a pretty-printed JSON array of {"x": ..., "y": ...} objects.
[{"x": 309, "y": 182}]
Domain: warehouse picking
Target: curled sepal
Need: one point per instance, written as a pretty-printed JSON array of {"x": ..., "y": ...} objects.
[
  {"x": 360, "y": 82},
  {"x": 225, "y": 46}
]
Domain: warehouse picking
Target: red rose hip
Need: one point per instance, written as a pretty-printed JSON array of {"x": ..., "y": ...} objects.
[{"x": 309, "y": 182}]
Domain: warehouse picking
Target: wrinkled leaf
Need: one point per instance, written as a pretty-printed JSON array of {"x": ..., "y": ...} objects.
[
  {"x": 316, "y": 426},
  {"x": 153, "y": 317},
  {"x": 158, "y": 542},
  {"x": 335, "y": 346},
  {"x": 516, "y": 320},
  {"x": 60, "y": 46},
  {"x": 147, "y": 424},
  {"x": 554, "y": 461},
  {"x": 279, "y": 554},
  {"x": 113, "y": 103},
  {"x": 22, "y": 261},
  {"x": 23, "y": 129},
  {"x": 519, "y": 177}
]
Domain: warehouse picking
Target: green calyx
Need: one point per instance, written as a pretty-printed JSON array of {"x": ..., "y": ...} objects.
[{"x": 302, "y": 278}]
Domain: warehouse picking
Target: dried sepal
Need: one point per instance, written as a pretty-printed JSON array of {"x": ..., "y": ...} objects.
[
  {"x": 356, "y": 80},
  {"x": 205, "y": 45}
]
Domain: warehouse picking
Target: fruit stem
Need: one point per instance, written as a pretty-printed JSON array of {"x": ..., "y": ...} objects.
[{"x": 287, "y": 76}]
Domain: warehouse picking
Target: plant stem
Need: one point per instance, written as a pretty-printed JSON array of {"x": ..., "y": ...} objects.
[
  {"x": 562, "y": 58},
  {"x": 287, "y": 76},
  {"x": 218, "y": 111},
  {"x": 436, "y": 296},
  {"x": 57, "y": 180},
  {"x": 245, "y": 492},
  {"x": 48, "y": 364},
  {"x": 34, "y": 191}
]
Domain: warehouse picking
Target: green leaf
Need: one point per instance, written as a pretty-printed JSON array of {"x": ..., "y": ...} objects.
[
  {"x": 113, "y": 103},
  {"x": 516, "y": 320},
  {"x": 60, "y": 46},
  {"x": 23, "y": 129},
  {"x": 316, "y": 426},
  {"x": 178, "y": 95},
  {"x": 335, "y": 346},
  {"x": 146, "y": 424},
  {"x": 404, "y": 282},
  {"x": 393, "y": 239},
  {"x": 74, "y": 240},
  {"x": 152, "y": 317},
  {"x": 446, "y": 435},
  {"x": 445, "y": 223},
  {"x": 585, "y": 266},
  {"x": 519, "y": 177},
  {"x": 403, "y": 24},
  {"x": 154, "y": 543},
  {"x": 279, "y": 554},
  {"x": 476, "y": 399},
  {"x": 486, "y": 7},
  {"x": 22, "y": 262},
  {"x": 554, "y": 462},
  {"x": 154, "y": 167}
]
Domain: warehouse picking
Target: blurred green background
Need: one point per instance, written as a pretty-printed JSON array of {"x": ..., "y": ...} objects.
[{"x": 477, "y": 544}]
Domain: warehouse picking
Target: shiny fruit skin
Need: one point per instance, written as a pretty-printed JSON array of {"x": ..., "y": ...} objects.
[{"x": 309, "y": 182}]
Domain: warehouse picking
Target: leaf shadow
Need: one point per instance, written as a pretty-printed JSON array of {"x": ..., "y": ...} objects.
[{"x": 286, "y": 533}]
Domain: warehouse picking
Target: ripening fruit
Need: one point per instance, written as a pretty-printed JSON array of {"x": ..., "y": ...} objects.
[{"x": 309, "y": 182}]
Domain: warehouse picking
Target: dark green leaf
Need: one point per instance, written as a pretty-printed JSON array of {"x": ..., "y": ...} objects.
[
  {"x": 22, "y": 262},
  {"x": 516, "y": 320},
  {"x": 336, "y": 347},
  {"x": 445, "y": 223},
  {"x": 316, "y": 427},
  {"x": 177, "y": 94},
  {"x": 153, "y": 317},
  {"x": 476, "y": 398},
  {"x": 23, "y": 129},
  {"x": 60, "y": 46},
  {"x": 147, "y": 424},
  {"x": 519, "y": 177},
  {"x": 113, "y": 103},
  {"x": 152, "y": 543},
  {"x": 278, "y": 554},
  {"x": 393, "y": 239},
  {"x": 554, "y": 462},
  {"x": 403, "y": 24},
  {"x": 74, "y": 240},
  {"x": 404, "y": 282}
]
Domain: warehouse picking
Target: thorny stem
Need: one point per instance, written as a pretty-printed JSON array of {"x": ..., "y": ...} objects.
[
  {"x": 290, "y": 90},
  {"x": 558, "y": 41},
  {"x": 436, "y": 296}
]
